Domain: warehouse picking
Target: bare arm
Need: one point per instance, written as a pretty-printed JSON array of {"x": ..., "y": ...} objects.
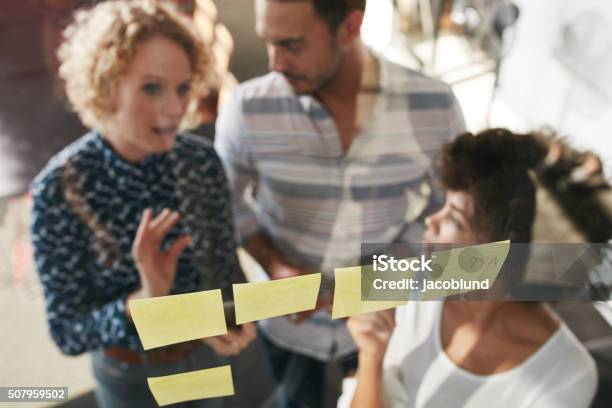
[
  {"x": 371, "y": 333},
  {"x": 369, "y": 391}
]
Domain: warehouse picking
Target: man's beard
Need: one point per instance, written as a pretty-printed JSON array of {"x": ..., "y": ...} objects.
[
  {"x": 323, "y": 81},
  {"x": 334, "y": 74}
]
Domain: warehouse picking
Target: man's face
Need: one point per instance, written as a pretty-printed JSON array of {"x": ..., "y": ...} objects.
[{"x": 299, "y": 43}]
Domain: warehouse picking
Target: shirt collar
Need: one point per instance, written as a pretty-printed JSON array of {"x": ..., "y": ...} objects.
[
  {"x": 115, "y": 161},
  {"x": 373, "y": 79}
]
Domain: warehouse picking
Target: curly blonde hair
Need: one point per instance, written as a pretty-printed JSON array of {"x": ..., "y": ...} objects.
[{"x": 101, "y": 43}]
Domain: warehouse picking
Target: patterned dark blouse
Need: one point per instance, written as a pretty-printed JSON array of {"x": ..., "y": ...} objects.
[{"x": 87, "y": 204}]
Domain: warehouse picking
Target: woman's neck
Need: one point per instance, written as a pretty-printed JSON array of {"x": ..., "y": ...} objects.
[{"x": 483, "y": 313}]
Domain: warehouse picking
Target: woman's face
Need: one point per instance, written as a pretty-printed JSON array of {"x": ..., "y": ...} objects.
[
  {"x": 453, "y": 223},
  {"x": 150, "y": 100}
]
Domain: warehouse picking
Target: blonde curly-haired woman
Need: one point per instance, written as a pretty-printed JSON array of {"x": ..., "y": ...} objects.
[{"x": 134, "y": 208}]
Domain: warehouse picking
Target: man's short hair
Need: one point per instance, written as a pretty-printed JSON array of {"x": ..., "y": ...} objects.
[
  {"x": 493, "y": 167},
  {"x": 335, "y": 11}
]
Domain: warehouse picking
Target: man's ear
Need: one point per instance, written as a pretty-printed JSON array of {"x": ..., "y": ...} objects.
[{"x": 350, "y": 28}]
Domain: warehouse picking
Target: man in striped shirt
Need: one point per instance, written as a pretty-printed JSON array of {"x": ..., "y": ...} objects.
[{"x": 332, "y": 149}]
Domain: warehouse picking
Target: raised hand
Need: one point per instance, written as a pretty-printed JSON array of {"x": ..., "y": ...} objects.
[
  {"x": 372, "y": 331},
  {"x": 157, "y": 268}
]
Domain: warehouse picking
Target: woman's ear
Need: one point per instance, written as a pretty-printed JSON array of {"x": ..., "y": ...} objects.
[
  {"x": 110, "y": 109},
  {"x": 114, "y": 94},
  {"x": 113, "y": 97}
]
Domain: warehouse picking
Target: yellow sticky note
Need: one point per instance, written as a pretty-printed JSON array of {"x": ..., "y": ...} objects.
[
  {"x": 176, "y": 318},
  {"x": 347, "y": 295},
  {"x": 462, "y": 268},
  {"x": 262, "y": 300},
  {"x": 194, "y": 385}
]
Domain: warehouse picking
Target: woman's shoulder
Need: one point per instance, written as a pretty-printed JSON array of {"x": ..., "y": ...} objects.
[
  {"x": 565, "y": 359},
  {"x": 196, "y": 150},
  {"x": 77, "y": 151},
  {"x": 194, "y": 144},
  {"x": 575, "y": 353},
  {"x": 554, "y": 337},
  {"x": 568, "y": 368}
]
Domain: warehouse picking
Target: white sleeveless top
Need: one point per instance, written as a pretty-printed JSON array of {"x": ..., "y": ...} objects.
[{"x": 418, "y": 373}]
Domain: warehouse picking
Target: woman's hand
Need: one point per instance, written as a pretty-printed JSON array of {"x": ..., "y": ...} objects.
[
  {"x": 157, "y": 268},
  {"x": 371, "y": 332},
  {"x": 234, "y": 341}
]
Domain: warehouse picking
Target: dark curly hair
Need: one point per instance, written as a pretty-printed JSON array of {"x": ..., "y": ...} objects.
[{"x": 492, "y": 167}]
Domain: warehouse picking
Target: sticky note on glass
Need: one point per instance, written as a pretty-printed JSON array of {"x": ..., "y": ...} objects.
[
  {"x": 463, "y": 267},
  {"x": 262, "y": 300},
  {"x": 347, "y": 295},
  {"x": 194, "y": 385},
  {"x": 165, "y": 320}
]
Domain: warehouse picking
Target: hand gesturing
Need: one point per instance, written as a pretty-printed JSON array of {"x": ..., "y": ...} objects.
[
  {"x": 372, "y": 331},
  {"x": 157, "y": 268}
]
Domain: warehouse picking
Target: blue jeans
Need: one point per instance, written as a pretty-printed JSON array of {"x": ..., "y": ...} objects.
[
  {"x": 299, "y": 380},
  {"x": 124, "y": 385}
]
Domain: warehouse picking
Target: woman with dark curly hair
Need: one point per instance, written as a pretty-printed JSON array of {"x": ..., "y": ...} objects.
[
  {"x": 474, "y": 353},
  {"x": 135, "y": 208}
]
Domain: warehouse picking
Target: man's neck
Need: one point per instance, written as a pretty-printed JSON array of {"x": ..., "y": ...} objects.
[{"x": 344, "y": 88}]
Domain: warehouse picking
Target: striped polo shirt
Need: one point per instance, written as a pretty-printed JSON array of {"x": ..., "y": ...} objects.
[{"x": 317, "y": 204}]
